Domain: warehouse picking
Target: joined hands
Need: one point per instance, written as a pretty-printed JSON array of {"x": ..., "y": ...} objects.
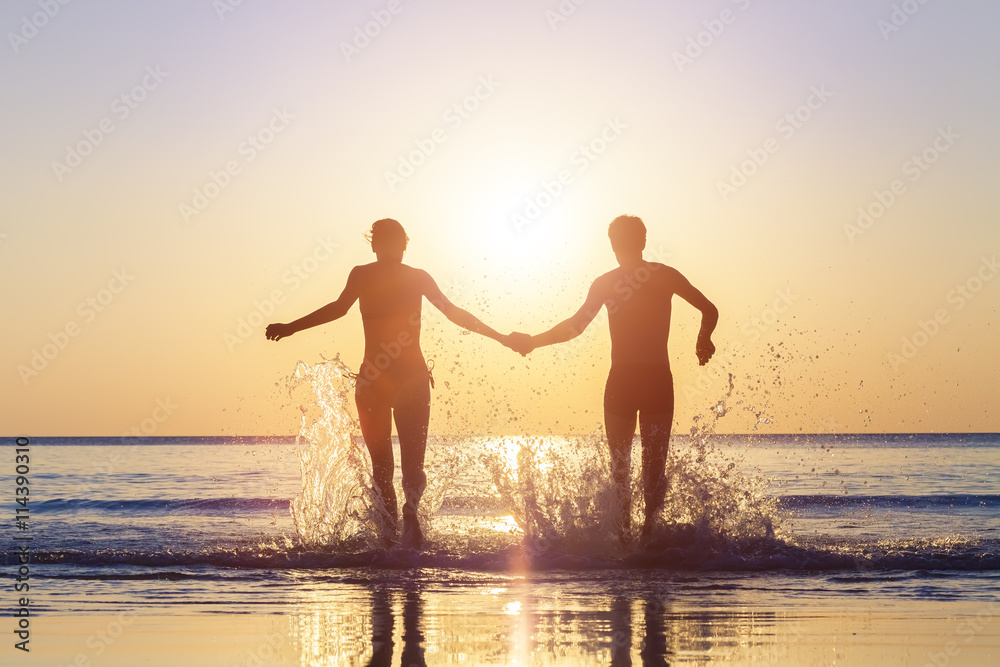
[{"x": 521, "y": 343}]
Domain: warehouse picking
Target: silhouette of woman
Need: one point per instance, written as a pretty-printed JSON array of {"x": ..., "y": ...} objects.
[{"x": 392, "y": 383}]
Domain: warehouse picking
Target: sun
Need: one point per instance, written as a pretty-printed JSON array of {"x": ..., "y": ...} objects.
[{"x": 519, "y": 218}]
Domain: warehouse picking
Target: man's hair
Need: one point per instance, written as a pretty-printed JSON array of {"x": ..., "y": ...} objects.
[
  {"x": 627, "y": 233},
  {"x": 387, "y": 231}
]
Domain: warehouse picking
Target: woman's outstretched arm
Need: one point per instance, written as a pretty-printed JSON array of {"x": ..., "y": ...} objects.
[
  {"x": 328, "y": 313},
  {"x": 459, "y": 316}
]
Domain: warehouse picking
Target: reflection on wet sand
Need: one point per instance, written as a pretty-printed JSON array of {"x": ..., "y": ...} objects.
[
  {"x": 357, "y": 625},
  {"x": 652, "y": 645},
  {"x": 383, "y": 624},
  {"x": 516, "y": 620}
]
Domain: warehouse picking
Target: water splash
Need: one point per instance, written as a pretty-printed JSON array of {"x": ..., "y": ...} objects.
[
  {"x": 560, "y": 493},
  {"x": 708, "y": 488},
  {"x": 337, "y": 507},
  {"x": 558, "y": 490}
]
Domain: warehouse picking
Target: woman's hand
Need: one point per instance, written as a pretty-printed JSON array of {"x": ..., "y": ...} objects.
[{"x": 278, "y": 331}]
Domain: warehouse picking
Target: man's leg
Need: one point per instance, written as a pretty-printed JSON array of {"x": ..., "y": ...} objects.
[
  {"x": 656, "y": 418},
  {"x": 619, "y": 423},
  {"x": 654, "y": 430},
  {"x": 375, "y": 416},
  {"x": 621, "y": 431},
  {"x": 412, "y": 414}
]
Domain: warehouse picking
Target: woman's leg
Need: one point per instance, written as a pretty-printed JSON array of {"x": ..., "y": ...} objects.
[
  {"x": 412, "y": 413},
  {"x": 375, "y": 415}
]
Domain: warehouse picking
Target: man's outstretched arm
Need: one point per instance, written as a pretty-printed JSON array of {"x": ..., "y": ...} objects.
[
  {"x": 328, "y": 313},
  {"x": 456, "y": 315},
  {"x": 704, "y": 348},
  {"x": 566, "y": 330}
]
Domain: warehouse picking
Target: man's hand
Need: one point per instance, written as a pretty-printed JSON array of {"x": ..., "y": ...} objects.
[
  {"x": 278, "y": 331},
  {"x": 704, "y": 349},
  {"x": 520, "y": 343}
]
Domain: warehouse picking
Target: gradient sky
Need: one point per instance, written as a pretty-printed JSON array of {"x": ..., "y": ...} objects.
[{"x": 677, "y": 119}]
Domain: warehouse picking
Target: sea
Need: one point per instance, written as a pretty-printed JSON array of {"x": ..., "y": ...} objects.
[{"x": 521, "y": 565}]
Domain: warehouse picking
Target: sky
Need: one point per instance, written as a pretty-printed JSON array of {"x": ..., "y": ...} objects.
[{"x": 177, "y": 175}]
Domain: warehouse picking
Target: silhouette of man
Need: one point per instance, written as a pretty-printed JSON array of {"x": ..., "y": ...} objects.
[
  {"x": 637, "y": 295},
  {"x": 392, "y": 383}
]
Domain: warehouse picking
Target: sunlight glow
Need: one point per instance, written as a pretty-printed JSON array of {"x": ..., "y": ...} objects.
[{"x": 504, "y": 524}]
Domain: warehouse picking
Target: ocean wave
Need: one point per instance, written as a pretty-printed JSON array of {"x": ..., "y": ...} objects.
[
  {"x": 690, "y": 554},
  {"x": 192, "y": 506},
  {"x": 892, "y": 501},
  {"x": 480, "y": 504}
]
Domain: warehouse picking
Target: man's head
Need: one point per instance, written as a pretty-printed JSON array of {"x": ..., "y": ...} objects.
[
  {"x": 388, "y": 238},
  {"x": 627, "y": 234}
]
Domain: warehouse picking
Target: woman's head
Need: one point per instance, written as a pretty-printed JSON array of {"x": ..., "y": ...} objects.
[{"x": 387, "y": 237}]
